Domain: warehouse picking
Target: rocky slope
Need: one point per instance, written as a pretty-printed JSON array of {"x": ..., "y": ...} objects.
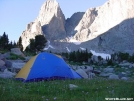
[{"x": 108, "y": 27}]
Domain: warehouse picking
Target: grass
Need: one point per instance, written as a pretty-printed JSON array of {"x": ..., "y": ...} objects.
[
  {"x": 14, "y": 57},
  {"x": 88, "y": 90}
]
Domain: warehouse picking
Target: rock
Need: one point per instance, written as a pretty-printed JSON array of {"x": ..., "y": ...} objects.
[
  {"x": 2, "y": 63},
  {"x": 122, "y": 74},
  {"x": 105, "y": 74},
  {"x": 82, "y": 67},
  {"x": 72, "y": 86},
  {"x": 8, "y": 63},
  {"x": 95, "y": 58},
  {"x": 108, "y": 70},
  {"x": 91, "y": 75},
  {"x": 2, "y": 57},
  {"x": 124, "y": 78},
  {"x": 50, "y": 21},
  {"x": 2, "y": 68},
  {"x": 82, "y": 73},
  {"x": 74, "y": 67},
  {"x": 17, "y": 51},
  {"x": 96, "y": 71},
  {"x": 88, "y": 69},
  {"x": 125, "y": 64},
  {"x": 72, "y": 22},
  {"x": 113, "y": 76},
  {"x": 87, "y": 28},
  {"x": 131, "y": 66},
  {"x": 18, "y": 65},
  {"x": 6, "y": 55},
  {"x": 92, "y": 25},
  {"x": 27, "y": 58},
  {"x": 7, "y": 74}
]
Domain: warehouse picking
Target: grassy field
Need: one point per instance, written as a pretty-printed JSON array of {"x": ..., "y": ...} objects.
[{"x": 88, "y": 90}]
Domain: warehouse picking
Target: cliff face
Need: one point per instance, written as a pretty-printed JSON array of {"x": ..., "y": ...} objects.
[
  {"x": 112, "y": 23},
  {"x": 108, "y": 27},
  {"x": 52, "y": 20},
  {"x": 49, "y": 22},
  {"x": 32, "y": 29},
  {"x": 101, "y": 19}
]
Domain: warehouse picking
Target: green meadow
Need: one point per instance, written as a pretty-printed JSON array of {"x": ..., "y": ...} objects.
[{"x": 58, "y": 90}]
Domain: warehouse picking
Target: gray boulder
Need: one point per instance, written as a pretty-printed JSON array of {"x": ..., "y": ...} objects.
[
  {"x": 72, "y": 86},
  {"x": 2, "y": 68},
  {"x": 17, "y": 51},
  {"x": 8, "y": 63},
  {"x": 122, "y": 74},
  {"x": 88, "y": 69},
  {"x": 7, "y": 74},
  {"x": 124, "y": 78},
  {"x": 6, "y": 55},
  {"x": 2, "y": 63},
  {"x": 113, "y": 76},
  {"x": 105, "y": 74},
  {"x": 108, "y": 70},
  {"x": 82, "y": 73}
]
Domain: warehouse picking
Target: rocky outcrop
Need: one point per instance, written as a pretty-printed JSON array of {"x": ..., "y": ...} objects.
[
  {"x": 17, "y": 51},
  {"x": 72, "y": 22},
  {"x": 32, "y": 29},
  {"x": 50, "y": 22},
  {"x": 113, "y": 22},
  {"x": 108, "y": 27},
  {"x": 82, "y": 29}
]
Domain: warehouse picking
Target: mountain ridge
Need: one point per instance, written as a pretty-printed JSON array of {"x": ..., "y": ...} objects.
[{"x": 87, "y": 27}]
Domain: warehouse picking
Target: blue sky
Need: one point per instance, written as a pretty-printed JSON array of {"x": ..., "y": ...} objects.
[{"x": 16, "y": 14}]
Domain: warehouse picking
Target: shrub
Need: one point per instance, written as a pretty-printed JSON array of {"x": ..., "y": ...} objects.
[{"x": 14, "y": 57}]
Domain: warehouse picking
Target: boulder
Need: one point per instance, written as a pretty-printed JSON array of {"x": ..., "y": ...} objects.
[
  {"x": 96, "y": 71},
  {"x": 6, "y": 55},
  {"x": 18, "y": 65},
  {"x": 124, "y": 78},
  {"x": 105, "y": 74},
  {"x": 17, "y": 51},
  {"x": 91, "y": 75},
  {"x": 88, "y": 69},
  {"x": 8, "y": 63},
  {"x": 108, "y": 70},
  {"x": 7, "y": 74},
  {"x": 113, "y": 76},
  {"x": 125, "y": 64},
  {"x": 72, "y": 86},
  {"x": 82, "y": 73},
  {"x": 95, "y": 58},
  {"x": 2, "y": 68},
  {"x": 74, "y": 67},
  {"x": 2, "y": 63},
  {"x": 2, "y": 57},
  {"x": 122, "y": 74}
]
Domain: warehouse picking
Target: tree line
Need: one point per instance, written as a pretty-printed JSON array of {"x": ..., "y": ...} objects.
[
  {"x": 77, "y": 56},
  {"x": 5, "y": 44},
  {"x": 36, "y": 44}
]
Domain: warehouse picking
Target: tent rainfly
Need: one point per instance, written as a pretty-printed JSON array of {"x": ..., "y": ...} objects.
[{"x": 45, "y": 66}]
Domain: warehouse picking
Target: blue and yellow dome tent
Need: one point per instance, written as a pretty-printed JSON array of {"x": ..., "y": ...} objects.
[{"x": 46, "y": 66}]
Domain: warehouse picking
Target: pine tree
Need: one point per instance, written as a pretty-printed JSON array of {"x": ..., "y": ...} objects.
[
  {"x": 32, "y": 45},
  {"x": 40, "y": 42},
  {"x": 4, "y": 41},
  {"x": 20, "y": 44}
]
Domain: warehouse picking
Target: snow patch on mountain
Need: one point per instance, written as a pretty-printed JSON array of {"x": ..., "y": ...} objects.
[
  {"x": 82, "y": 48},
  {"x": 76, "y": 42},
  {"x": 103, "y": 55},
  {"x": 68, "y": 49}
]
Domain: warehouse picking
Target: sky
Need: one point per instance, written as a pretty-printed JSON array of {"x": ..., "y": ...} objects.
[{"x": 16, "y": 14}]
